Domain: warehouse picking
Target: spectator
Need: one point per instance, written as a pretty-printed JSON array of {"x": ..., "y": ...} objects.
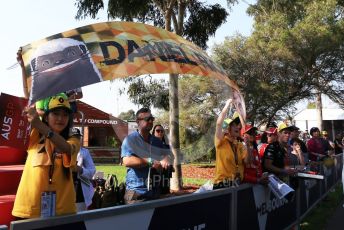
[
  {"x": 252, "y": 172},
  {"x": 51, "y": 154},
  {"x": 295, "y": 133},
  {"x": 274, "y": 160},
  {"x": 338, "y": 146},
  {"x": 296, "y": 155},
  {"x": 159, "y": 132},
  {"x": 305, "y": 136},
  {"x": 231, "y": 155},
  {"x": 82, "y": 176},
  {"x": 144, "y": 156},
  {"x": 271, "y": 135},
  {"x": 329, "y": 143},
  {"x": 166, "y": 174},
  {"x": 316, "y": 146}
]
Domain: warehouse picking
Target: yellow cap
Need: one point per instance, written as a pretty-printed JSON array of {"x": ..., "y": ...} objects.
[
  {"x": 226, "y": 123},
  {"x": 58, "y": 101},
  {"x": 282, "y": 127}
]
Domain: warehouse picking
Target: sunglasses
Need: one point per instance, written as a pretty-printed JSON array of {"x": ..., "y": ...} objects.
[
  {"x": 150, "y": 118},
  {"x": 159, "y": 130}
]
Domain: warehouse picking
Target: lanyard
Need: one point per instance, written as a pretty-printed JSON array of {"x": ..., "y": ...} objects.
[
  {"x": 51, "y": 168},
  {"x": 234, "y": 149}
]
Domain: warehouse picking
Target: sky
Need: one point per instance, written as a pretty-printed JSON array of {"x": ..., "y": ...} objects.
[{"x": 26, "y": 21}]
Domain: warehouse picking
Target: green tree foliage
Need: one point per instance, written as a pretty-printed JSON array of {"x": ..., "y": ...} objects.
[
  {"x": 129, "y": 115},
  {"x": 202, "y": 100},
  {"x": 201, "y": 20},
  {"x": 295, "y": 51},
  {"x": 148, "y": 92},
  {"x": 199, "y": 109},
  {"x": 309, "y": 36}
]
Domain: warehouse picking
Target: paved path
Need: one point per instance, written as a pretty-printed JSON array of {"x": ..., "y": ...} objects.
[{"x": 336, "y": 222}]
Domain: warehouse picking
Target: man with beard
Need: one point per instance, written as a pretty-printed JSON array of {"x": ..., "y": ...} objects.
[{"x": 143, "y": 154}]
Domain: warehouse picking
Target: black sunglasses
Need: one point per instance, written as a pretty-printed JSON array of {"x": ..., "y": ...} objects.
[
  {"x": 150, "y": 118},
  {"x": 159, "y": 130}
]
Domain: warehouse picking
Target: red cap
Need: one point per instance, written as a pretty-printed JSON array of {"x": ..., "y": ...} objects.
[
  {"x": 271, "y": 130},
  {"x": 247, "y": 128}
]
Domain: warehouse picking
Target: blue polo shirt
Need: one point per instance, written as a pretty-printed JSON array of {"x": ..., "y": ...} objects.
[{"x": 134, "y": 145}]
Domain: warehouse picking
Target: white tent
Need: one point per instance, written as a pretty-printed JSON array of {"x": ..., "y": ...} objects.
[{"x": 307, "y": 118}]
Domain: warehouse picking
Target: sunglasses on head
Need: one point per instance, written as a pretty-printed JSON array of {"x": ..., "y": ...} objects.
[
  {"x": 150, "y": 118},
  {"x": 159, "y": 130}
]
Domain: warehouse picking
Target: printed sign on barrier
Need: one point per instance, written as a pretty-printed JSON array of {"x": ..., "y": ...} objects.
[
  {"x": 264, "y": 209},
  {"x": 200, "y": 214}
]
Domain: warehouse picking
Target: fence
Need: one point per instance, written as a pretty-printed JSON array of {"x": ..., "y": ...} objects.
[{"x": 244, "y": 207}]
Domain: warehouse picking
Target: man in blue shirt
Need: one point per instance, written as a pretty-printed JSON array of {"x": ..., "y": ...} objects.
[{"x": 143, "y": 155}]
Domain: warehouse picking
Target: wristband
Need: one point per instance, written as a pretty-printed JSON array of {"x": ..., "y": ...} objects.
[
  {"x": 150, "y": 162},
  {"x": 50, "y": 134}
]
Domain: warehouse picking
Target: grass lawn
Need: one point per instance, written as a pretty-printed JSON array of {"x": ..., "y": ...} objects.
[
  {"x": 318, "y": 217},
  {"x": 121, "y": 171}
]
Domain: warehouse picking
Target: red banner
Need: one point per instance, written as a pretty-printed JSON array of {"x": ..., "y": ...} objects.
[{"x": 14, "y": 127}]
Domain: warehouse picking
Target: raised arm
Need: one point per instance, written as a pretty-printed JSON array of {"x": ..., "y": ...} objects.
[
  {"x": 42, "y": 128},
  {"x": 218, "y": 132}
]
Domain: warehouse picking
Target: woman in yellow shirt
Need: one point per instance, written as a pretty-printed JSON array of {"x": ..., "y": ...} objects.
[
  {"x": 231, "y": 155},
  {"x": 51, "y": 153}
]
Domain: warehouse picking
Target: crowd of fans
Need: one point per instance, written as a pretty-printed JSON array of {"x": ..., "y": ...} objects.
[
  {"x": 281, "y": 150},
  {"x": 61, "y": 169}
]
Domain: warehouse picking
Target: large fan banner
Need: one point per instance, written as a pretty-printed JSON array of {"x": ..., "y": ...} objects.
[{"x": 110, "y": 50}]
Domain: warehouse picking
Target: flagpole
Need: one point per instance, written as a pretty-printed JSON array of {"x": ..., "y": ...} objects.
[{"x": 24, "y": 78}]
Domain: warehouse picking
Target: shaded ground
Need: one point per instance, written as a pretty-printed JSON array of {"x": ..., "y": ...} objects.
[{"x": 197, "y": 172}]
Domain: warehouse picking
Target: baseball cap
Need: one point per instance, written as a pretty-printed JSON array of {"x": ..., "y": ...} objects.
[
  {"x": 271, "y": 130},
  {"x": 235, "y": 118},
  {"x": 75, "y": 132},
  {"x": 248, "y": 129},
  {"x": 324, "y": 133},
  {"x": 58, "y": 101},
  {"x": 294, "y": 128},
  {"x": 283, "y": 126}
]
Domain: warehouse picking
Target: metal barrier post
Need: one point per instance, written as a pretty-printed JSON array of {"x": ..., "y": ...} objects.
[
  {"x": 234, "y": 208},
  {"x": 298, "y": 205}
]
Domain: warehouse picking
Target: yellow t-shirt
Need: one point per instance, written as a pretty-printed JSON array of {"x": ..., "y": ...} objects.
[
  {"x": 35, "y": 179},
  {"x": 225, "y": 167}
]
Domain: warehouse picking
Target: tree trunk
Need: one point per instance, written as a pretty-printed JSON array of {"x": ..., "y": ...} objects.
[
  {"x": 318, "y": 104},
  {"x": 176, "y": 181}
]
